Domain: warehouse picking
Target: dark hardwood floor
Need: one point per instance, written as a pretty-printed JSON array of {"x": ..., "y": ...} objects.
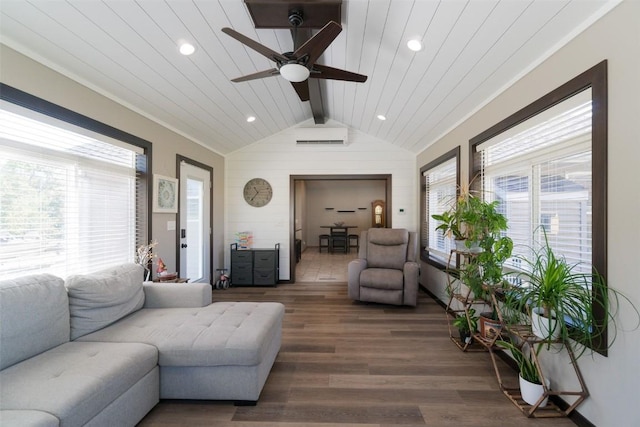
[{"x": 344, "y": 363}]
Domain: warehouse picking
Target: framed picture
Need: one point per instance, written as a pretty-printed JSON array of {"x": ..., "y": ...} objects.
[{"x": 165, "y": 194}]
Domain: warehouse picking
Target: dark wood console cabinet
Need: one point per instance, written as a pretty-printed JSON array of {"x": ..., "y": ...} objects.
[{"x": 255, "y": 267}]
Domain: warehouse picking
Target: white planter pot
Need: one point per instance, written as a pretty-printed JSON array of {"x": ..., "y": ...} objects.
[
  {"x": 532, "y": 392},
  {"x": 543, "y": 327}
]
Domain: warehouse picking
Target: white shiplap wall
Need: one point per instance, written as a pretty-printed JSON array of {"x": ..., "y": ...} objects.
[{"x": 277, "y": 158}]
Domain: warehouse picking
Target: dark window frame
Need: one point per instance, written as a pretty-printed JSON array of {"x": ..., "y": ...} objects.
[
  {"x": 596, "y": 79},
  {"x": 143, "y": 163},
  {"x": 424, "y": 216}
]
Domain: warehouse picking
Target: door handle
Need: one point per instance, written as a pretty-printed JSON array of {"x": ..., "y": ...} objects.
[{"x": 183, "y": 245}]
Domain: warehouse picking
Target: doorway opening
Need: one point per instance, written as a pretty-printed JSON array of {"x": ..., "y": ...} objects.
[{"x": 339, "y": 210}]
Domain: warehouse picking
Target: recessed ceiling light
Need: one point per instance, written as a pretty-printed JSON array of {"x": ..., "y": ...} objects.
[
  {"x": 187, "y": 48},
  {"x": 251, "y": 119},
  {"x": 415, "y": 45},
  {"x": 381, "y": 117}
]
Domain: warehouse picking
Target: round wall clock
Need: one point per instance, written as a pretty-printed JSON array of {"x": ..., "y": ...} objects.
[{"x": 257, "y": 192}]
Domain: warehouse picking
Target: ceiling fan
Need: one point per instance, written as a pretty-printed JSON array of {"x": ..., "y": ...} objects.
[{"x": 298, "y": 66}]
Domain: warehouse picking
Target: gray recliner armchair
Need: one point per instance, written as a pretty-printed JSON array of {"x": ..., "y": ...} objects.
[{"x": 386, "y": 270}]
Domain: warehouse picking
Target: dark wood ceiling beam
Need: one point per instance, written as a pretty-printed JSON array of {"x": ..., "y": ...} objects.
[
  {"x": 275, "y": 13},
  {"x": 315, "y": 101},
  {"x": 315, "y": 92}
]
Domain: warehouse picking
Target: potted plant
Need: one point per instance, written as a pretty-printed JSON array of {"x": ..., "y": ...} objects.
[
  {"x": 486, "y": 227},
  {"x": 482, "y": 227},
  {"x": 474, "y": 221},
  {"x": 552, "y": 289},
  {"x": 490, "y": 325},
  {"x": 450, "y": 225},
  {"x": 466, "y": 326},
  {"x": 531, "y": 388},
  {"x": 485, "y": 270},
  {"x": 460, "y": 221},
  {"x": 559, "y": 297}
]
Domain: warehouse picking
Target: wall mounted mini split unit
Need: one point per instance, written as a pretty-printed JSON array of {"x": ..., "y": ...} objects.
[{"x": 321, "y": 136}]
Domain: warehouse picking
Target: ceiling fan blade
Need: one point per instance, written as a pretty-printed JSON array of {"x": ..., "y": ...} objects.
[
  {"x": 261, "y": 49},
  {"x": 330, "y": 73},
  {"x": 258, "y": 75},
  {"x": 316, "y": 45},
  {"x": 302, "y": 88}
]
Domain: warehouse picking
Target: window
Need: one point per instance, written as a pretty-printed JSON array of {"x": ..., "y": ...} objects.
[
  {"x": 72, "y": 200},
  {"x": 547, "y": 165},
  {"x": 540, "y": 171},
  {"x": 440, "y": 181}
]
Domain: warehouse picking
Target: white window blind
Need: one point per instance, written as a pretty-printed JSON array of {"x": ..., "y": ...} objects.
[
  {"x": 67, "y": 200},
  {"x": 541, "y": 174},
  {"x": 440, "y": 194}
]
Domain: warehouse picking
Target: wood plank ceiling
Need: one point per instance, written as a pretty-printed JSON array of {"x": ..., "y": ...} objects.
[{"x": 127, "y": 50}]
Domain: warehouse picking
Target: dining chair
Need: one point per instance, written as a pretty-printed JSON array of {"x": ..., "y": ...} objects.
[
  {"x": 354, "y": 242},
  {"x": 324, "y": 241},
  {"x": 339, "y": 239}
]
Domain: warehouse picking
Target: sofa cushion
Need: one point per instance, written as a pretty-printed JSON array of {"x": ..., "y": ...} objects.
[
  {"x": 99, "y": 299},
  {"x": 34, "y": 317},
  {"x": 168, "y": 295},
  {"x": 76, "y": 380},
  {"x": 23, "y": 418},
  {"x": 223, "y": 333},
  {"x": 387, "y": 248}
]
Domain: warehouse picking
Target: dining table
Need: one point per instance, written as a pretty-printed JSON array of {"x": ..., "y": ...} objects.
[
  {"x": 340, "y": 227},
  {"x": 339, "y": 234}
]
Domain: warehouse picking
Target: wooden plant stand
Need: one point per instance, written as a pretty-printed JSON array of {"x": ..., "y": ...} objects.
[
  {"x": 551, "y": 410},
  {"x": 460, "y": 302}
]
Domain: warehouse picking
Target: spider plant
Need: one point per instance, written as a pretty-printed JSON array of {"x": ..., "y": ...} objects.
[
  {"x": 531, "y": 389},
  {"x": 565, "y": 296},
  {"x": 526, "y": 366}
]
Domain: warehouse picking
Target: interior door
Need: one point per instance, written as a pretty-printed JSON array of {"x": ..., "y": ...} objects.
[{"x": 195, "y": 223}]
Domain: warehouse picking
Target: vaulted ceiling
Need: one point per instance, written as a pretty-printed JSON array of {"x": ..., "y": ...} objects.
[{"x": 127, "y": 50}]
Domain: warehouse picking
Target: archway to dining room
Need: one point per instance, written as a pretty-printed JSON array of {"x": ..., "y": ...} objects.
[{"x": 319, "y": 201}]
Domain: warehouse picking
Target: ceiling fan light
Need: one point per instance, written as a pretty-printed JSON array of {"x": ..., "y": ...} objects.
[{"x": 294, "y": 72}]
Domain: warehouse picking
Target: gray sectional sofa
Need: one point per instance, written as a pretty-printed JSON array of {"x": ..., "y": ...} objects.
[{"x": 102, "y": 349}]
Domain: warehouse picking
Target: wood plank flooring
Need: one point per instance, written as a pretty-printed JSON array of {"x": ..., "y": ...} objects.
[{"x": 344, "y": 363}]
